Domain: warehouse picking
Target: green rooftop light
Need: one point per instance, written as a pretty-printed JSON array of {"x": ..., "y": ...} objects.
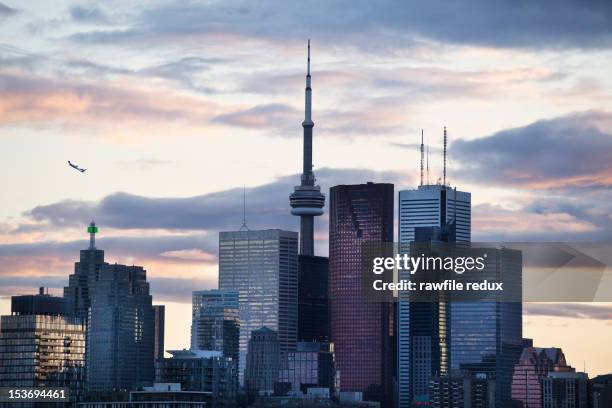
[{"x": 92, "y": 229}]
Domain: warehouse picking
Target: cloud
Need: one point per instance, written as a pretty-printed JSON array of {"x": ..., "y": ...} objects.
[
  {"x": 92, "y": 15},
  {"x": 392, "y": 23},
  {"x": 114, "y": 106},
  {"x": 267, "y": 206},
  {"x": 573, "y": 151},
  {"x": 268, "y": 116},
  {"x": 6, "y": 11},
  {"x": 571, "y": 310}
]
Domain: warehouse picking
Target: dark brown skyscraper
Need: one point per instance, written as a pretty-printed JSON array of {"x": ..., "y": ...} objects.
[
  {"x": 363, "y": 333},
  {"x": 159, "y": 311}
]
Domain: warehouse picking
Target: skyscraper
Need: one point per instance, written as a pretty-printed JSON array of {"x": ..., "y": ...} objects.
[
  {"x": 215, "y": 322},
  {"x": 262, "y": 267},
  {"x": 362, "y": 333},
  {"x": 435, "y": 338},
  {"x": 80, "y": 284},
  {"x": 121, "y": 330},
  {"x": 307, "y": 200},
  {"x": 40, "y": 346}
]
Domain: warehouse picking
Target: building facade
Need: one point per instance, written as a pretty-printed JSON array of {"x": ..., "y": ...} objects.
[
  {"x": 262, "y": 266},
  {"x": 198, "y": 370},
  {"x": 41, "y": 346},
  {"x": 313, "y": 299},
  {"x": 121, "y": 331},
  {"x": 159, "y": 313},
  {"x": 311, "y": 365},
  {"x": 263, "y": 362},
  {"x": 362, "y": 332}
]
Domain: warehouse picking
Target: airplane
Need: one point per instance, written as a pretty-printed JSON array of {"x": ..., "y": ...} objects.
[{"x": 74, "y": 166}]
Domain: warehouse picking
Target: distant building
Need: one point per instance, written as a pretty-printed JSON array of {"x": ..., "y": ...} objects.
[
  {"x": 565, "y": 389},
  {"x": 40, "y": 346},
  {"x": 461, "y": 389},
  {"x": 310, "y": 366},
  {"x": 313, "y": 299},
  {"x": 121, "y": 331},
  {"x": 601, "y": 388},
  {"x": 198, "y": 370},
  {"x": 535, "y": 364},
  {"x": 158, "y": 396},
  {"x": 263, "y": 362},
  {"x": 362, "y": 332},
  {"x": 262, "y": 266},
  {"x": 159, "y": 312},
  {"x": 215, "y": 322}
]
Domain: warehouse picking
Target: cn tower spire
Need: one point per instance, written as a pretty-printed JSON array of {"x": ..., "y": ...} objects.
[{"x": 307, "y": 200}]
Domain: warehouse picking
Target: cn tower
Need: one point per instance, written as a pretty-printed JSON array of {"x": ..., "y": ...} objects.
[{"x": 307, "y": 200}]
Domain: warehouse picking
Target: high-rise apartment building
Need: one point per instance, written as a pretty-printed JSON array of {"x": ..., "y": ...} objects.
[
  {"x": 262, "y": 266},
  {"x": 362, "y": 332},
  {"x": 41, "y": 346},
  {"x": 121, "y": 330}
]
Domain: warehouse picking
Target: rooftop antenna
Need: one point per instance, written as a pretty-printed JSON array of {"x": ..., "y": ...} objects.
[
  {"x": 244, "y": 221},
  {"x": 427, "y": 164},
  {"x": 422, "y": 152},
  {"x": 444, "y": 167}
]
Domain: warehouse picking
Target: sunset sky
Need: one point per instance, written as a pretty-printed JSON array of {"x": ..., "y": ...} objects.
[{"x": 174, "y": 106}]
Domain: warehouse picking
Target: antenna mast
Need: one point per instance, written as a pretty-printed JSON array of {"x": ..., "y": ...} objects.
[
  {"x": 244, "y": 221},
  {"x": 422, "y": 152},
  {"x": 444, "y": 168},
  {"x": 427, "y": 164}
]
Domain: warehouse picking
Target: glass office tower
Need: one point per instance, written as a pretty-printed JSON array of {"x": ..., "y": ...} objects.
[
  {"x": 215, "y": 322},
  {"x": 362, "y": 332},
  {"x": 484, "y": 338},
  {"x": 121, "y": 332},
  {"x": 262, "y": 266}
]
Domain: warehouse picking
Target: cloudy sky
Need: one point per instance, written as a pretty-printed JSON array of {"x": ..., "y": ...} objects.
[{"x": 174, "y": 106}]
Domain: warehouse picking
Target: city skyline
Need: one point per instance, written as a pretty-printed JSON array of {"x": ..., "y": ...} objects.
[{"x": 508, "y": 95}]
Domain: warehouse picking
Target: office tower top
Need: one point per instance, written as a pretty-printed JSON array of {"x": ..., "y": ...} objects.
[
  {"x": 434, "y": 206},
  {"x": 78, "y": 293},
  {"x": 307, "y": 201}
]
